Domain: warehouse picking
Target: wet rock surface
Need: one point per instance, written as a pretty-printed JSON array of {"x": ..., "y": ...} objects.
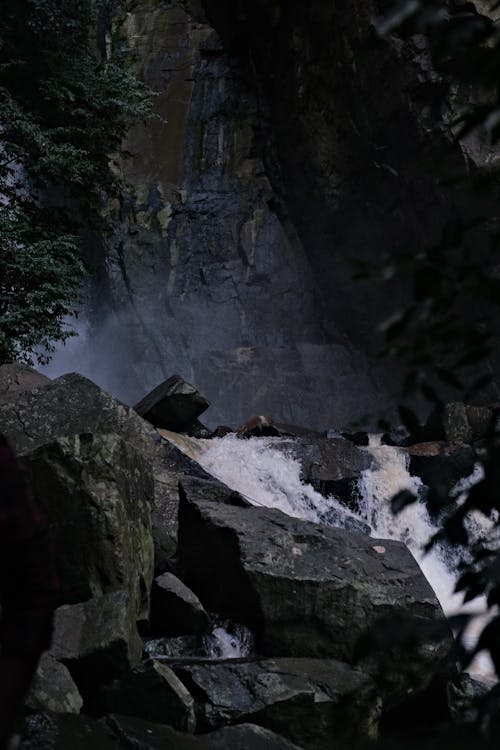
[
  {"x": 309, "y": 701},
  {"x": 331, "y": 465},
  {"x": 72, "y": 405},
  {"x": 48, "y": 731},
  {"x": 288, "y": 600},
  {"x": 155, "y": 737},
  {"x": 305, "y": 589},
  {"x": 441, "y": 464}
]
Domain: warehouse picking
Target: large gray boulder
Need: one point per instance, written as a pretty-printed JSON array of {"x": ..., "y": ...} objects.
[
  {"x": 306, "y": 589},
  {"x": 332, "y": 466},
  {"x": 96, "y": 491},
  {"x": 173, "y": 405},
  {"x": 97, "y": 640},
  {"x": 50, "y": 731},
  {"x": 309, "y": 701},
  {"x": 135, "y": 733},
  {"x": 73, "y": 405},
  {"x": 326, "y": 460},
  {"x": 53, "y": 689},
  {"x": 16, "y": 378}
]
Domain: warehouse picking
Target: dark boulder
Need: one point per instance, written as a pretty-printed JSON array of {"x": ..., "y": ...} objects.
[
  {"x": 331, "y": 465},
  {"x": 226, "y": 640},
  {"x": 212, "y": 489},
  {"x": 97, "y": 492},
  {"x": 53, "y": 689},
  {"x": 259, "y": 426},
  {"x": 198, "y": 430},
  {"x": 97, "y": 640},
  {"x": 136, "y": 733},
  {"x": 175, "y": 610},
  {"x": 172, "y": 405},
  {"x": 483, "y": 420},
  {"x": 221, "y": 431},
  {"x": 174, "y": 647},
  {"x": 305, "y": 589},
  {"x": 398, "y": 437},
  {"x": 465, "y": 695},
  {"x": 327, "y": 459},
  {"x": 358, "y": 438},
  {"x": 151, "y": 691},
  {"x": 16, "y": 378},
  {"x": 73, "y": 405},
  {"x": 52, "y": 731},
  {"x": 439, "y": 464},
  {"x": 457, "y": 422},
  {"x": 309, "y": 701}
]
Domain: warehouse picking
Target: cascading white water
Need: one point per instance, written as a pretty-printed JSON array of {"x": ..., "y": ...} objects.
[
  {"x": 414, "y": 527},
  {"x": 228, "y": 641},
  {"x": 266, "y": 475}
]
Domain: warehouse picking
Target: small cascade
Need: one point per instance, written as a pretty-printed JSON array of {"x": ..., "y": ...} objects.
[
  {"x": 414, "y": 527},
  {"x": 227, "y": 640},
  {"x": 266, "y": 475}
]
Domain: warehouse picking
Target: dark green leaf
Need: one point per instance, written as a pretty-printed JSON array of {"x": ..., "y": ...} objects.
[{"x": 401, "y": 500}]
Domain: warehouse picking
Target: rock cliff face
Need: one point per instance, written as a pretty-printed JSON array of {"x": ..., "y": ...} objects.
[
  {"x": 206, "y": 274},
  {"x": 284, "y": 142},
  {"x": 360, "y": 124}
]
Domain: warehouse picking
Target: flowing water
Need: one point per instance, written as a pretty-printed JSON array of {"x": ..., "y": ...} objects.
[{"x": 262, "y": 472}]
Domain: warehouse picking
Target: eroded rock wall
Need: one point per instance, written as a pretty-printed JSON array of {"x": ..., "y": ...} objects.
[
  {"x": 287, "y": 140},
  {"x": 360, "y": 125},
  {"x": 206, "y": 275}
]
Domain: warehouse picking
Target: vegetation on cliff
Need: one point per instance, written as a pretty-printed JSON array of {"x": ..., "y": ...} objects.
[{"x": 64, "y": 109}]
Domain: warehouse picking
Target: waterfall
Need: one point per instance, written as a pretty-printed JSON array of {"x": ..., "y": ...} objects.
[
  {"x": 414, "y": 527},
  {"x": 266, "y": 475}
]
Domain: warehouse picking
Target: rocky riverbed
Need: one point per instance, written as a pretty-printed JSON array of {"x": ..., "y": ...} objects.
[{"x": 156, "y": 556}]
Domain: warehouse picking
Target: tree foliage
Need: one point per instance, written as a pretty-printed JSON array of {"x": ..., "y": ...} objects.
[
  {"x": 64, "y": 109},
  {"x": 448, "y": 328}
]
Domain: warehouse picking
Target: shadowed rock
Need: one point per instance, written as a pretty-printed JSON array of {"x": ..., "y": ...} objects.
[
  {"x": 172, "y": 405},
  {"x": 306, "y": 589},
  {"x": 309, "y": 701},
  {"x": 97, "y": 640},
  {"x": 439, "y": 464},
  {"x": 53, "y": 689},
  {"x": 151, "y": 691},
  {"x": 97, "y": 492},
  {"x": 175, "y": 610},
  {"x": 73, "y": 405},
  {"x": 140, "y": 734}
]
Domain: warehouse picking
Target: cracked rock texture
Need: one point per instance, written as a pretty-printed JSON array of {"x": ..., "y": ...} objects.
[
  {"x": 205, "y": 274},
  {"x": 287, "y": 139}
]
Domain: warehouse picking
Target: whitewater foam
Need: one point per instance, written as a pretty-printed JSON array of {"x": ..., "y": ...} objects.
[{"x": 267, "y": 475}]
